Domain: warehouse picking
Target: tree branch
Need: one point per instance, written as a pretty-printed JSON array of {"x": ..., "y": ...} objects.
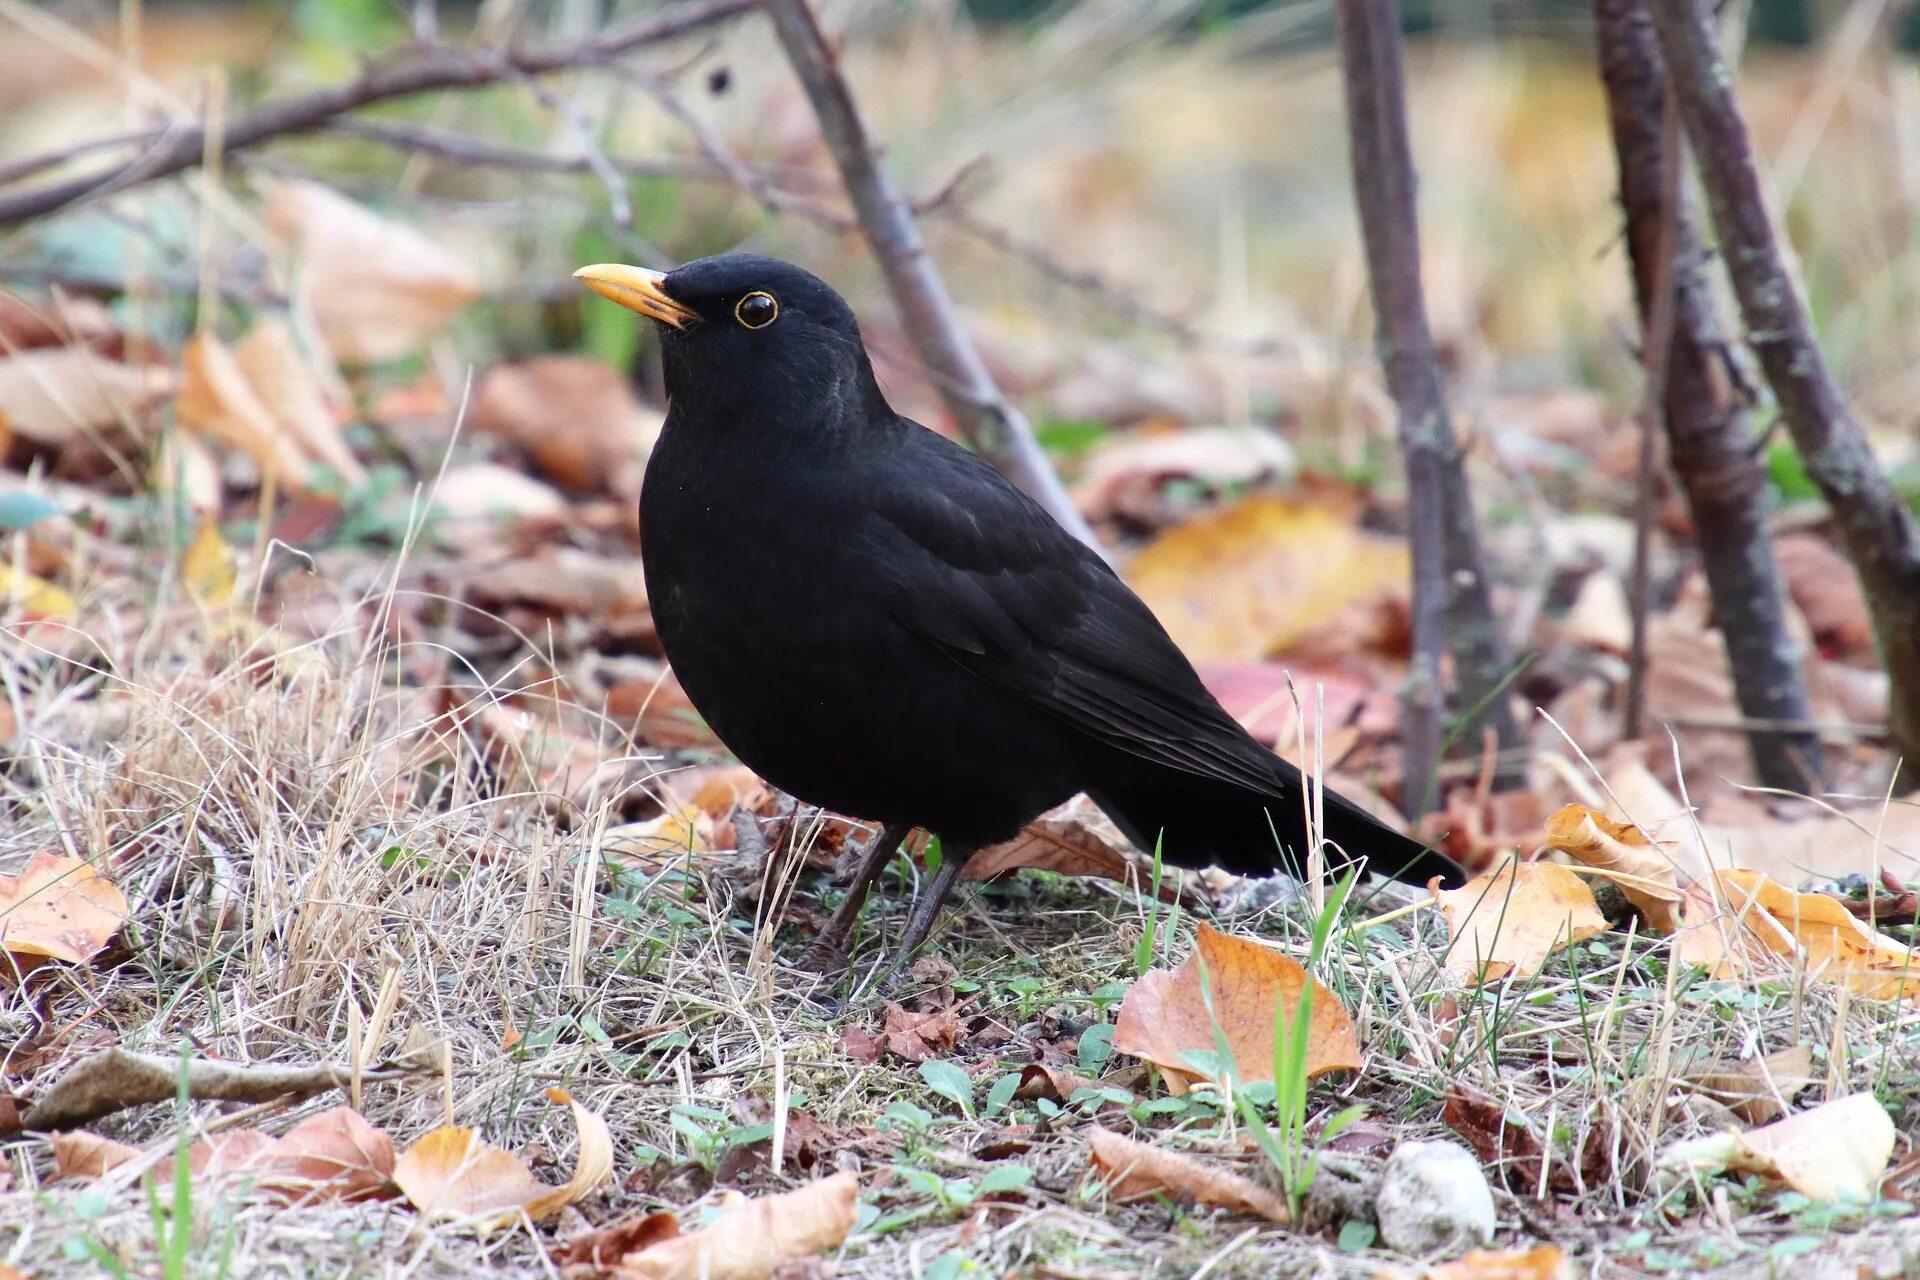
[
  {"x": 1710, "y": 437},
  {"x": 993, "y": 426},
  {"x": 1451, "y": 604},
  {"x": 418, "y": 70},
  {"x": 1875, "y": 526}
]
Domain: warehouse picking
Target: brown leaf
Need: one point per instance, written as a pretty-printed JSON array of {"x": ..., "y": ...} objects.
[
  {"x": 336, "y": 1155},
  {"x": 1134, "y": 1171},
  {"x": 1758, "y": 1089},
  {"x": 1826, "y": 590},
  {"x": 858, "y": 1045},
  {"x": 917, "y": 1037},
  {"x": 752, "y": 1238},
  {"x": 293, "y": 394},
  {"x": 1054, "y": 1083},
  {"x": 216, "y": 399},
  {"x": 222, "y": 1155},
  {"x": 83, "y": 1154},
  {"x": 1644, "y": 874},
  {"x": 564, "y": 582},
  {"x": 58, "y": 908},
  {"x": 1511, "y": 919},
  {"x": 379, "y": 290},
  {"x": 603, "y": 1247},
  {"x": 60, "y": 394},
  {"x": 576, "y": 417},
  {"x": 1253, "y": 580},
  {"x": 1261, "y": 696},
  {"x": 1066, "y": 847},
  {"x": 1509, "y": 1146},
  {"x": 1164, "y": 1016}
]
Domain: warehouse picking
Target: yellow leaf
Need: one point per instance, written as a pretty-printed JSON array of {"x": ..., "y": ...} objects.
[
  {"x": 1838, "y": 1150},
  {"x": 1644, "y": 874},
  {"x": 1512, "y": 918},
  {"x": 1738, "y": 916},
  {"x": 208, "y": 567},
  {"x": 1251, "y": 581},
  {"x": 452, "y": 1173},
  {"x": 35, "y": 597},
  {"x": 752, "y": 1238},
  {"x": 1164, "y": 1015},
  {"x": 58, "y": 908}
]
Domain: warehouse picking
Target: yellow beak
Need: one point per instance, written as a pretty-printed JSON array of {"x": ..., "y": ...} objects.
[{"x": 636, "y": 289}]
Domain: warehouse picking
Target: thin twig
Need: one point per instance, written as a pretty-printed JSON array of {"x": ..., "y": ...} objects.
[
  {"x": 417, "y": 70},
  {"x": 994, "y": 427},
  {"x": 619, "y": 205}
]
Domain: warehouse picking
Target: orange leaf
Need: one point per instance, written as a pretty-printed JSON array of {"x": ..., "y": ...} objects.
[
  {"x": 1066, "y": 847},
  {"x": 1134, "y": 1171},
  {"x": 83, "y": 1154},
  {"x": 1755, "y": 915},
  {"x": 216, "y": 399},
  {"x": 1164, "y": 1016},
  {"x": 1543, "y": 1262},
  {"x": 292, "y": 392},
  {"x": 752, "y": 1238},
  {"x": 58, "y": 908},
  {"x": 224, "y": 1154},
  {"x": 1644, "y": 874},
  {"x": 1512, "y": 918},
  {"x": 452, "y": 1173},
  {"x": 1256, "y": 578},
  {"x": 336, "y": 1155}
]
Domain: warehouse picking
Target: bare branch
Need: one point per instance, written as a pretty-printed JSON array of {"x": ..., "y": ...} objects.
[
  {"x": 994, "y": 427},
  {"x": 1450, "y": 595},
  {"x": 1875, "y": 526},
  {"x": 418, "y": 70},
  {"x": 1710, "y": 437}
]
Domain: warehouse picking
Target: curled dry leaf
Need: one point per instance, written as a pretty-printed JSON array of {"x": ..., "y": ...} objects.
[
  {"x": 1255, "y": 579},
  {"x": 1838, "y": 1150},
  {"x": 1738, "y": 916},
  {"x": 1054, "y": 1083},
  {"x": 84, "y": 1154},
  {"x": 1164, "y": 1016},
  {"x": 751, "y": 1239},
  {"x": 1135, "y": 1171},
  {"x": 452, "y": 1173},
  {"x": 1068, "y": 847},
  {"x": 1512, "y": 918},
  {"x": 1759, "y": 1089},
  {"x": 292, "y": 392},
  {"x": 1624, "y": 853},
  {"x": 58, "y": 908},
  {"x": 217, "y": 399},
  {"x": 378, "y": 289}
]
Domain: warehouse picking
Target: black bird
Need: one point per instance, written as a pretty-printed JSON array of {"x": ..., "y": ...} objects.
[{"x": 879, "y": 623}]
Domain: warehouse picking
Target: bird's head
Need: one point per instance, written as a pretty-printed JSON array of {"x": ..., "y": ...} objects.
[{"x": 741, "y": 334}]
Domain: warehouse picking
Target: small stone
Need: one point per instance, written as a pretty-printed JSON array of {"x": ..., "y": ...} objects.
[{"x": 1434, "y": 1200}]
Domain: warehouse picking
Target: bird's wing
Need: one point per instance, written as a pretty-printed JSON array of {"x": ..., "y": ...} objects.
[{"x": 976, "y": 569}]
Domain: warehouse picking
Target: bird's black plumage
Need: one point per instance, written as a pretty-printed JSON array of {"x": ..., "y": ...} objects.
[{"x": 879, "y": 623}]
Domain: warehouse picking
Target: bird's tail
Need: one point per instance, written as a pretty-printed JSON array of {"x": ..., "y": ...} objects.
[{"x": 1198, "y": 822}]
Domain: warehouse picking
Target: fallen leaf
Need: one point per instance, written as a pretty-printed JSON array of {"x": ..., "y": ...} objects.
[
  {"x": 1827, "y": 591},
  {"x": 1649, "y": 880},
  {"x": 1065, "y": 846},
  {"x": 1509, "y": 1145},
  {"x": 917, "y": 1037},
  {"x": 603, "y": 1247},
  {"x": 1812, "y": 929},
  {"x": 1164, "y": 1016},
  {"x": 1261, "y": 696},
  {"x": 1251, "y": 581},
  {"x": 487, "y": 493},
  {"x": 60, "y": 394},
  {"x": 58, "y": 908},
  {"x": 1223, "y": 457},
  {"x": 575, "y": 417},
  {"x": 564, "y": 582},
  {"x": 208, "y": 568},
  {"x": 1542, "y": 1262},
  {"x": 1758, "y": 1089},
  {"x": 1511, "y": 919},
  {"x": 223, "y": 1155},
  {"x": 451, "y": 1173},
  {"x": 294, "y": 395},
  {"x": 83, "y": 1154},
  {"x": 751, "y": 1239},
  {"x": 1135, "y": 1171},
  {"x": 379, "y": 289},
  {"x": 1600, "y": 616},
  {"x": 34, "y": 597},
  {"x": 1054, "y": 1083},
  {"x": 1838, "y": 1150},
  {"x": 335, "y": 1155},
  {"x": 217, "y": 399}
]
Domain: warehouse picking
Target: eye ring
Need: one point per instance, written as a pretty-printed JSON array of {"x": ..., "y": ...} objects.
[{"x": 765, "y": 309}]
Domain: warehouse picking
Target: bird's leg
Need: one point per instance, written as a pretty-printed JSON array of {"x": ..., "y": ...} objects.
[
  {"x": 926, "y": 909},
  {"x": 828, "y": 954}
]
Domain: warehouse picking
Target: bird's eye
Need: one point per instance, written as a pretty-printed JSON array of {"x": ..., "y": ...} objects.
[{"x": 756, "y": 311}]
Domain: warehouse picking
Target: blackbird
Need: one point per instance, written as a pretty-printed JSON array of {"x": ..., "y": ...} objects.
[{"x": 879, "y": 623}]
